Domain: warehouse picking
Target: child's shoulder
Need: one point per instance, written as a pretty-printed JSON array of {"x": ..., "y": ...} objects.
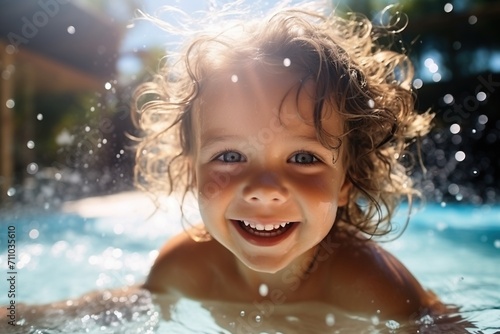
[
  {"x": 368, "y": 278},
  {"x": 182, "y": 264}
]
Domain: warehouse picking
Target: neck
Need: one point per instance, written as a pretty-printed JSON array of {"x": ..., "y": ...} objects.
[{"x": 292, "y": 278}]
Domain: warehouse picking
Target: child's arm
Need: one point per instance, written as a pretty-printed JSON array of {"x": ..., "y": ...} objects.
[{"x": 180, "y": 268}]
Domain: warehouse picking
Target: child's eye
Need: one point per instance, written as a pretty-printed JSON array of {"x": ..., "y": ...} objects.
[
  {"x": 230, "y": 156},
  {"x": 304, "y": 158}
]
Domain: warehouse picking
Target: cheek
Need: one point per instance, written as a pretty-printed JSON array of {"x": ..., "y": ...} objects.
[
  {"x": 320, "y": 197},
  {"x": 215, "y": 184},
  {"x": 318, "y": 188}
]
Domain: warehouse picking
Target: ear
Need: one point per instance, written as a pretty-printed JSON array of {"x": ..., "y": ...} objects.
[{"x": 344, "y": 192}]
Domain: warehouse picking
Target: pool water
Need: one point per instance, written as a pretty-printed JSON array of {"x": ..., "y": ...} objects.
[{"x": 111, "y": 242}]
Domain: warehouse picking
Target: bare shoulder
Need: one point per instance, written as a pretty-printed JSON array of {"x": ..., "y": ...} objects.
[
  {"x": 183, "y": 267},
  {"x": 370, "y": 279}
]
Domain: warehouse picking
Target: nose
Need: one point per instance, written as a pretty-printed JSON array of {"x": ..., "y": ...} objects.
[{"x": 265, "y": 189}]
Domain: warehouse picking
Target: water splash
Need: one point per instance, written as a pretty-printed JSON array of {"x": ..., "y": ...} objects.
[{"x": 133, "y": 313}]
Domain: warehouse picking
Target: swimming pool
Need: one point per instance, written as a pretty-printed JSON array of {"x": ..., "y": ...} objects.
[{"x": 112, "y": 241}]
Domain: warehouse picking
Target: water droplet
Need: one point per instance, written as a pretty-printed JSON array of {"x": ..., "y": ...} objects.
[
  {"x": 457, "y": 45},
  {"x": 496, "y": 243},
  {"x": 287, "y": 62},
  {"x": 443, "y": 204},
  {"x": 392, "y": 324},
  {"x": 39, "y": 117},
  {"x": 87, "y": 128},
  {"x": 433, "y": 68},
  {"x": 32, "y": 168},
  {"x": 30, "y": 144},
  {"x": 122, "y": 152},
  {"x": 455, "y": 128},
  {"x": 104, "y": 141},
  {"x": 57, "y": 176},
  {"x": 10, "y": 103},
  {"x": 10, "y": 49},
  {"x": 234, "y": 78},
  {"x": 258, "y": 318},
  {"x": 242, "y": 313},
  {"x": 453, "y": 189},
  {"x": 418, "y": 83},
  {"x": 460, "y": 156},
  {"x": 482, "y": 119},
  {"x": 436, "y": 77},
  {"x": 426, "y": 320},
  {"x": 33, "y": 234},
  {"x": 448, "y": 7},
  {"x": 371, "y": 103},
  {"x": 472, "y": 19},
  {"x": 330, "y": 319},
  {"x": 11, "y": 192},
  {"x": 263, "y": 290},
  {"x": 116, "y": 253},
  {"x": 71, "y": 30},
  {"x": 428, "y": 62},
  {"x": 375, "y": 320},
  {"x": 107, "y": 86},
  {"x": 291, "y": 318},
  {"x": 448, "y": 99},
  {"x": 92, "y": 109},
  {"x": 481, "y": 96}
]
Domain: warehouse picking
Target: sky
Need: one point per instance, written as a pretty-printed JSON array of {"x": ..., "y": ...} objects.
[{"x": 143, "y": 35}]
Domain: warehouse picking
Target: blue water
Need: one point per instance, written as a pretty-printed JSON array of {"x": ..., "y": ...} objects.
[{"x": 452, "y": 250}]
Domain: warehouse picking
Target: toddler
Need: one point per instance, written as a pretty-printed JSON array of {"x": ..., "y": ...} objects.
[{"x": 289, "y": 129}]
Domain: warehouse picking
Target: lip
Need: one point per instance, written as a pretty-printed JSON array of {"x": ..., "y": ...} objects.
[{"x": 264, "y": 240}]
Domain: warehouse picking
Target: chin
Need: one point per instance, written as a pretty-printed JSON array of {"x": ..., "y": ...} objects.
[{"x": 263, "y": 264}]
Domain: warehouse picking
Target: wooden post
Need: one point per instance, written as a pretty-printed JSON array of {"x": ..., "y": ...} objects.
[{"x": 6, "y": 122}]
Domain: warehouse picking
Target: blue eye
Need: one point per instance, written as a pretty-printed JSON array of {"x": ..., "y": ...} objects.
[
  {"x": 304, "y": 158},
  {"x": 230, "y": 157}
]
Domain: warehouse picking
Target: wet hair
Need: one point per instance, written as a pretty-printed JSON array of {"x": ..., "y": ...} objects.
[{"x": 355, "y": 74}]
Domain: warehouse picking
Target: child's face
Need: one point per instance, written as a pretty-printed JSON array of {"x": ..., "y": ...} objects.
[{"x": 255, "y": 168}]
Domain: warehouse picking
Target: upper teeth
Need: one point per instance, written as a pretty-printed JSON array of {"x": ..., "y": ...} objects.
[{"x": 262, "y": 227}]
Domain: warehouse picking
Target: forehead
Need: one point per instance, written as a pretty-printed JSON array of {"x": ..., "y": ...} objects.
[{"x": 234, "y": 100}]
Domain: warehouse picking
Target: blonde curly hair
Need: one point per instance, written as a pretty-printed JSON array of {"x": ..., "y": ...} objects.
[{"x": 366, "y": 83}]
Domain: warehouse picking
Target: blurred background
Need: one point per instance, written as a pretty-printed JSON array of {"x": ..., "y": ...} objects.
[{"x": 68, "y": 68}]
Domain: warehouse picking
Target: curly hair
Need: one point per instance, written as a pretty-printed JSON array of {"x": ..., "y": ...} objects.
[{"x": 354, "y": 72}]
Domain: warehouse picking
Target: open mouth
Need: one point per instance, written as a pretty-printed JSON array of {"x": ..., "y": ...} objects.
[
  {"x": 265, "y": 230},
  {"x": 264, "y": 234}
]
